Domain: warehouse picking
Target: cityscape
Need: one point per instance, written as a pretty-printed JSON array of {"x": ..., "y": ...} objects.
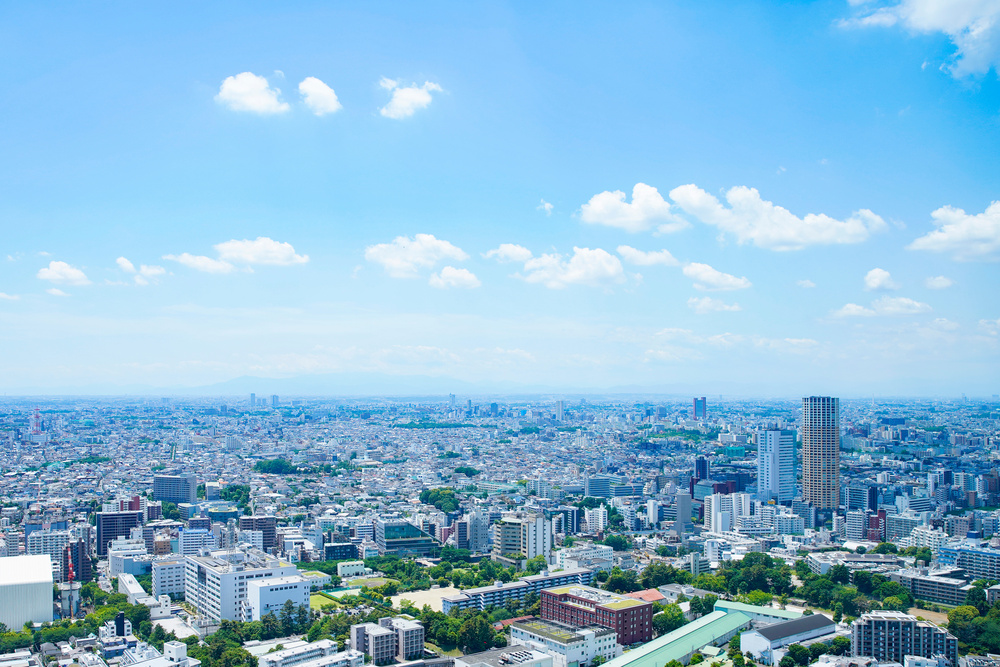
[
  {"x": 442, "y": 334},
  {"x": 487, "y": 530}
]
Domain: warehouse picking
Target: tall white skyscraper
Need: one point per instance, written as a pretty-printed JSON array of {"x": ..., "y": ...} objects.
[
  {"x": 560, "y": 409},
  {"x": 775, "y": 465}
]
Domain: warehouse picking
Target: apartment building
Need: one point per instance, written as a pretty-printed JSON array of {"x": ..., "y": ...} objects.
[
  {"x": 891, "y": 635},
  {"x": 569, "y": 645},
  {"x": 392, "y": 638},
  {"x": 499, "y": 593}
]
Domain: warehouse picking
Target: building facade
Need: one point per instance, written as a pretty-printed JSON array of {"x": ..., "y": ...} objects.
[{"x": 821, "y": 452}]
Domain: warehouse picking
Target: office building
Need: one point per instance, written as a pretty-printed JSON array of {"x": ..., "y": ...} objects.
[
  {"x": 701, "y": 468},
  {"x": 596, "y": 518},
  {"x": 700, "y": 410},
  {"x": 631, "y": 619},
  {"x": 274, "y": 401},
  {"x": 25, "y": 590},
  {"x": 267, "y": 525},
  {"x": 168, "y": 577},
  {"x": 253, "y": 401},
  {"x": 217, "y": 585},
  {"x": 175, "y": 488},
  {"x": 821, "y": 452},
  {"x": 268, "y": 595},
  {"x": 775, "y": 465},
  {"x": 560, "y": 410},
  {"x": 114, "y": 525},
  {"x": 888, "y": 636},
  {"x": 401, "y": 538}
]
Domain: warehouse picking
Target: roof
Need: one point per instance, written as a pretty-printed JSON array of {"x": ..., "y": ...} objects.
[
  {"x": 677, "y": 645},
  {"x": 795, "y": 627},
  {"x": 548, "y": 629},
  {"x": 750, "y": 609},
  {"x": 649, "y": 595},
  {"x": 26, "y": 570}
]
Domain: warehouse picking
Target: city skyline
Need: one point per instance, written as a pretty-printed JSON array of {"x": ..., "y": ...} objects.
[{"x": 754, "y": 201}]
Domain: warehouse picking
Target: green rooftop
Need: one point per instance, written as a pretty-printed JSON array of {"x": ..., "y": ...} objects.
[
  {"x": 682, "y": 642},
  {"x": 727, "y": 605},
  {"x": 548, "y": 630},
  {"x": 623, "y": 604}
]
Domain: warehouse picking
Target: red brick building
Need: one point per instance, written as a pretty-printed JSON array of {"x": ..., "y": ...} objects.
[{"x": 631, "y": 619}]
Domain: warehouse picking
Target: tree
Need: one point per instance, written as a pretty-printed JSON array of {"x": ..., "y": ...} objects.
[
  {"x": 960, "y": 623},
  {"x": 800, "y": 654},
  {"x": 838, "y": 613},
  {"x": 840, "y": 645},
  {"x": 536, "y": 565},
  {"x": 668, "y": 620},
  {"x": 787, "y": 661},
  {"x": 695, "y": 607},
  {"x": 976, "y": 597},
  {"x": 839, "y": 574},
  {"x": 475, "y": 635},
  {"x": 617, "y": 542},
  {"x": 885, "y": 548}
]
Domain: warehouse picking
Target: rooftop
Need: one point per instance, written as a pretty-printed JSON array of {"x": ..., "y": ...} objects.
[
  {"x": 564, "y": 634},
  {"x": 796, "y": 626},
  {"x": 25, "y": 570},
  {"x": 677, "y": 645}
]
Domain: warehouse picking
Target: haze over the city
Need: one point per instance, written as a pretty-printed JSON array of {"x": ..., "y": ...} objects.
[{"x": 753, "y": 199}]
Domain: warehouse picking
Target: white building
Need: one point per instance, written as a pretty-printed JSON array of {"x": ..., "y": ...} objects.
[
  {"x": 596, "y": 518},
  {"x": 568, "y": 646},
  {"x": 322, "y": 653},
  {"x": 193, "y": 540},
  {"x": 271, "y": 593},
  {"x": 775, "y": 465},
  {"x": 569, "y": 559},
  {"x": 25, "y": 590},
  {"x": 51, "y": 543},
  {"x": 217, "y": 585},
  {"x": 351, "y": 568},
  {"x": 168, "y": 577},
  {"x": 765, "y": 644}
]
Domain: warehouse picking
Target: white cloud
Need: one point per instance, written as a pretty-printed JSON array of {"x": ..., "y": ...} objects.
[
  {"x": 707, "y": 278},
  {"x": 966, "y": 237},
  {"x": 973, "y": 26},
  {"x": 992, "y": 327},
  {"x": 8, "y": 297},
  {"x": 641, "y": 258},
  {"x": 407, "y": 101},
  {"x": 939, "y": 282},
  {"x": 853, "y": 310},
  {"x": 262, "y": 250},
  {"x": 55, "y": 291},
  {"x": 944, "y": 324},
  {"x": 807, "y": 284},
  {"x": 755, "y": 220},
  {"x": 404, "y": 257},
  {"x": 125, "y": 265},
  {"x": 249, "y": 92},
  {"x": 879, "y": 279},
  {"x": 201, "y": 263},
  {"x": 647, "y": 208},
  {"x": 452, "y": 277},
  {"x": 545, "y": 206},
  {"x": 318, "y": 96},
  {"x": 706, "y": 304},
  {"x": 886, "y": 305},
  {"x": 147, "y": 273},
  {"x": 899, "y": 305},
  {"x": 596, "y": 268},
  {"x": 63, "y": 273},
  {"x": 509, "y": 252}
]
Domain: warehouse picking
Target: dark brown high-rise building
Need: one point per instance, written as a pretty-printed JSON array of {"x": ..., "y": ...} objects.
[{"x": 821, "y": 452}]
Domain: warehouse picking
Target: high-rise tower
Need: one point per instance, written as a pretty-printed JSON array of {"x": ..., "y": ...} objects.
[
  {"x": 775, "y": 465},
  {"x": 821, "y": 451}
]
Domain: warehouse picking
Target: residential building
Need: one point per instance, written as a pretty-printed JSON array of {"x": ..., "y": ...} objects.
[
  {"x": 114, "y": 525},
  {"x": 393, "y": 638},
  {"x": 499, "y": 593},
  {"x": 168, "y": 577},
  {"x": 175, "y": 488},
  {"x": 821, "y": 452},
  {"x": 268, "y": 527},
  {"x": 521, "y": 536},
  {"x": 892, "y": 635},
  {"x": 775, "y": 465}
]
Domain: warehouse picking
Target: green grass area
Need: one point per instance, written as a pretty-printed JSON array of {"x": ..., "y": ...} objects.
[
  {"x": 452, "y": 652},
  {"x": 373, "y": 582},
  {"x": 318, "y": 600}
]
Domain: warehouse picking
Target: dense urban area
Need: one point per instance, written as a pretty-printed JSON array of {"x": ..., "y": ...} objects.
[{"x": 264, "y": 531}]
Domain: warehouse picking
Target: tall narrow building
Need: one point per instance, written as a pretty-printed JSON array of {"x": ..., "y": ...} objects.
[
  {"x": 821, "y": 451},
  {"x": 775, "y": 465}
]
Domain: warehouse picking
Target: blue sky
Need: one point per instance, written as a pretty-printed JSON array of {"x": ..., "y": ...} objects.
[{"x": 190, "y": 194}]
